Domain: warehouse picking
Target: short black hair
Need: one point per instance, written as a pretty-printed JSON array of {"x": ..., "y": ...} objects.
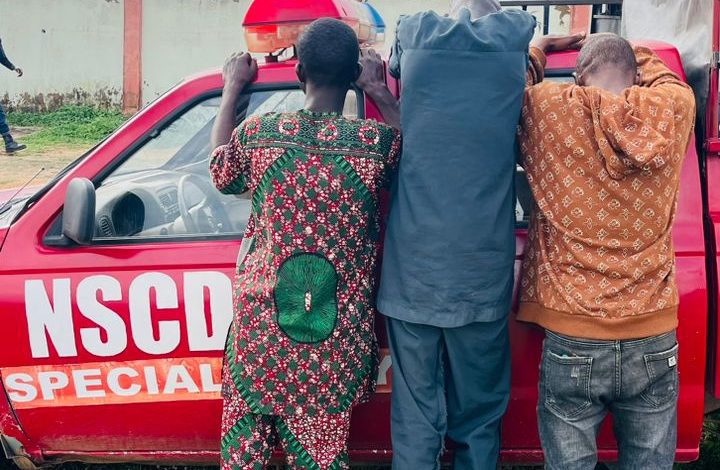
[
  {"x": 606, "y": 49},
  {"x": 328, "y": 51}
]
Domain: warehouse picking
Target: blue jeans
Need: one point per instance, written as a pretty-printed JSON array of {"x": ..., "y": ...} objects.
[
  {"x": 582, "y": 380},
  {"x": 453, "y": 381},
  {"x": 4, "y": 129}
]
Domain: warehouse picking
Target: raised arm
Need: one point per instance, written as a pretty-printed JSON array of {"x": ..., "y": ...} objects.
[
  {"x": 664, "y": 84},
  {"x": 372, "y": 82},
  {"x": 657, "y": 118},
  {"x": 541, "y": 46},
  {"x": 229, "y": 162},
  {"x": 528, "y": 132},
  {"x": 655, "y": 74},
  {"x": 536, "y": 66},
  {"x": 239, "y": 70},
  {"x": 396, "y": 52}
]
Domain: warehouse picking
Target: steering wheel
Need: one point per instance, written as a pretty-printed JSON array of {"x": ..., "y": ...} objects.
[{"x": 196, "y": 218}]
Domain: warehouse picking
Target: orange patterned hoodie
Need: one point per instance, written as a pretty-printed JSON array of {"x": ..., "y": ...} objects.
[{"x": 604, "y": 171}]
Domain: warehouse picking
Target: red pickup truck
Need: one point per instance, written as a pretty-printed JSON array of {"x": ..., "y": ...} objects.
[{"x": 113, "y": 326}]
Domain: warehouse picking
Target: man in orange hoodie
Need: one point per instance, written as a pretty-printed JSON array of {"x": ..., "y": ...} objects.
[{"x": 603, "y": 159}]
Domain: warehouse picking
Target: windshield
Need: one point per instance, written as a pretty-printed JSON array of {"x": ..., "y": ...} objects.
[
  {"x": 162, "y": 189},
  {"x": 186, "y": 141}
]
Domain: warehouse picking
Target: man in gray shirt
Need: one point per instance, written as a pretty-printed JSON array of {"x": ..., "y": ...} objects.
[{"x": 447, "y": 274}]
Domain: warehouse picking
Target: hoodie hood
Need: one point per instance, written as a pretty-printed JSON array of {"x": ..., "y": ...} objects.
[{"x": 624, "y": 149}]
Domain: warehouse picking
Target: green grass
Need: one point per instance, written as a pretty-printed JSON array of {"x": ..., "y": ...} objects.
[{"x": 81, "y": 125}]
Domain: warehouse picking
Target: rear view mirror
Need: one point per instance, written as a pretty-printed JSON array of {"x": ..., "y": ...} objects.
[{"x": 79, "y": 212}]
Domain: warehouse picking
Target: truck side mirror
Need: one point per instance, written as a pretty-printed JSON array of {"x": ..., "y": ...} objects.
[{"x": 78, "y": 222}]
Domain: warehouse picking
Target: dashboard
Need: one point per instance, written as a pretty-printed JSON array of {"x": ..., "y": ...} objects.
[{"x": 144, "y": 204}]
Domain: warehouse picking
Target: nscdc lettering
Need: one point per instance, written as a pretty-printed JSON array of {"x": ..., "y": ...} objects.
[{"x": 49, "y": 313}]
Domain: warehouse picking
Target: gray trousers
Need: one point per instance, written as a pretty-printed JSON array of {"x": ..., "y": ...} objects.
[
  {"x": 583, "y": 380},
  {"x": 448, "y": 381}
]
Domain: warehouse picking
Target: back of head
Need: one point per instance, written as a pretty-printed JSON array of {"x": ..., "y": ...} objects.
[
  {"x": 328, "y": 51},
  {"x": 606, "y": 61},
  {"x": 477, "y": 8}
]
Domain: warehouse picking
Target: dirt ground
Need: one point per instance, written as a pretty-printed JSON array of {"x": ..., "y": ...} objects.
[{"x": 17, "y": 169}]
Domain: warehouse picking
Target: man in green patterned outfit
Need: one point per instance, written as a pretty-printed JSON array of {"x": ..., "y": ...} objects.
[{"x": 301, "y": 352}]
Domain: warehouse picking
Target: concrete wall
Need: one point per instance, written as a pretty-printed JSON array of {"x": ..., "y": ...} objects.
[
  {"x": 70, "y": 50},
  {"x": 182, "y": 37}
]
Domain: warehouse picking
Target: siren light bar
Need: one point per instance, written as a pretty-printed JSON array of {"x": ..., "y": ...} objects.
[{"x": 273, "y": 25}]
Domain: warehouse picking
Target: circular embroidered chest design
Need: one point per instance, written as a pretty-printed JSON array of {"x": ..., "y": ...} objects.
[
  {"x": 289, "y": 127},
  {"x": 369, "y": 135},
  {"x": 306, "y": 297},
  {"x": 328, "y": 133},
  {"x": 252, "y": 126}
]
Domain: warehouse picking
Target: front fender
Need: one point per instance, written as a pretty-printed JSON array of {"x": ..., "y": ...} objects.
[{"x": 15, "y": 444}]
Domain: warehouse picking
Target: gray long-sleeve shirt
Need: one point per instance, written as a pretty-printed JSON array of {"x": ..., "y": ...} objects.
[
  {"x": 4, "y": 58},
  {"x": 450, "y": 244}
]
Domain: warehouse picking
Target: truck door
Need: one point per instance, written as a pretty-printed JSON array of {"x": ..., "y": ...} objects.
[{"x": 117, "y": 345}]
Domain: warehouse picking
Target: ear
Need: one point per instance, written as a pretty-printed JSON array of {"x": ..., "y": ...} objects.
[
  {"x": 638, "y": 78},
  {"x": 300, "y": 72},
  {"x": 580, "y": 79},
  {"x": 358, "y": 72}
]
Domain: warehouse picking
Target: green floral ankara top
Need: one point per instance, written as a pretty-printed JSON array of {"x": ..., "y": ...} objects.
[{"x": 302, "y": 339}]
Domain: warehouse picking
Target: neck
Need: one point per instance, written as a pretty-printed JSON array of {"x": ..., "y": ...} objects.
[
  {"x": 477, "y": 8},
  {"x": 616, "y": 87},
  {"x": 324, "y": 99},
  {"x": 610, "y": 80}
]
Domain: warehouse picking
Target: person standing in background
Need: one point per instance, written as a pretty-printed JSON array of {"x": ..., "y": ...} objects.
[
  {"x": 447, "y": 274},
  {"x": 10, "y": 145}
]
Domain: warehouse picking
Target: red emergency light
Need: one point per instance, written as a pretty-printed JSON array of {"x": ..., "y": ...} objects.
[{"x": 272, "y": 25}]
